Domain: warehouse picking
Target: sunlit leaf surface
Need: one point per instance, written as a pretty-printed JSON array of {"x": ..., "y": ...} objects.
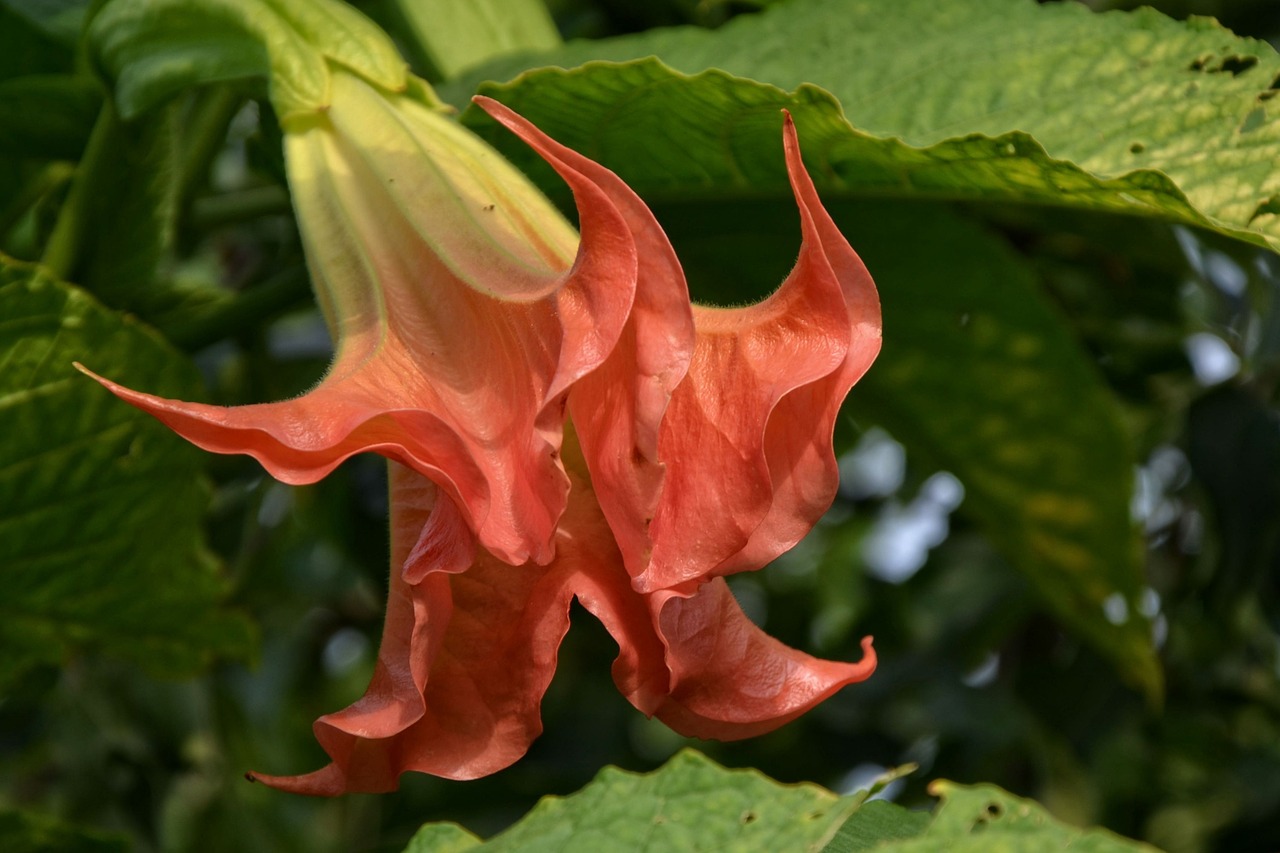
[
  {"x": 691, "y": 803},
  {"x": 968, "y": 99}
]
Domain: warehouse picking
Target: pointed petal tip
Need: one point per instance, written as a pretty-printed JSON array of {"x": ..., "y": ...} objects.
[
  {"x": 496, "y": 109},
  {"x": 106, "y": 383},
  {"x": 135, "y": 398},
  {"x": 328, "y": 781},
  {"x": 791, "y": 144}
]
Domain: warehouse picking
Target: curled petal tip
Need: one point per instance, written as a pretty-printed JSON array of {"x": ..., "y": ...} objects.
[{"x": 867, "y": 665}]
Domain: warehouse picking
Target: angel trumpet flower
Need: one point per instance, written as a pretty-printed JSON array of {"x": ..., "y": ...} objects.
[{"x": 561, "y": 423}]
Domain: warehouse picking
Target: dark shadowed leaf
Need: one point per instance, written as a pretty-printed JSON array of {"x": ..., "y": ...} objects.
[{"x": 1234, "y": 449}]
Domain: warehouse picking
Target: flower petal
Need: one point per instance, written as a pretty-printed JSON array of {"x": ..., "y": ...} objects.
[
  {"x": 464, "y": 662},
  {"x": 747, "y": 437},
  {"x": 798, "y": 439},
  {"x": 617, "y": 409},
  {"x": 466, "y": 657},
  {"x": 730, "y": 680},
  {"x": 361, "y": 738}
]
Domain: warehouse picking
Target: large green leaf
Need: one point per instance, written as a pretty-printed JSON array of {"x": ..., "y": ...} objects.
[
  {"x": 691, "y": 803},
  {"x": 966, "y": 99},
  {"x": 981, "y": 373},
  {"x": 100, "y": 505},
  {"x": 971, "y": 819}
]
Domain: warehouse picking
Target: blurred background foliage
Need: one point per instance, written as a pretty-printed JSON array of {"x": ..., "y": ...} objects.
[{"x": 978, "y": 680}]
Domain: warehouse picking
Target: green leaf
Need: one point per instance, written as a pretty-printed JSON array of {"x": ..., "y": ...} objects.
[
  {"x": 100, "y": 505},
  {"x": 153, "y": 49},
  {"x": 986, "y": 819},
  {"x": 24, "y": 832},
  {"x": 442, "y": 838},
  {"x": 971, "y": 819},
  {"x": 727, "y": 125},
  {"x": 450, "y": 36},
  {"x": 1009, "y": 100},
  {"x": 691, "y": 803},
  {"x": 985, "y": 377}
]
